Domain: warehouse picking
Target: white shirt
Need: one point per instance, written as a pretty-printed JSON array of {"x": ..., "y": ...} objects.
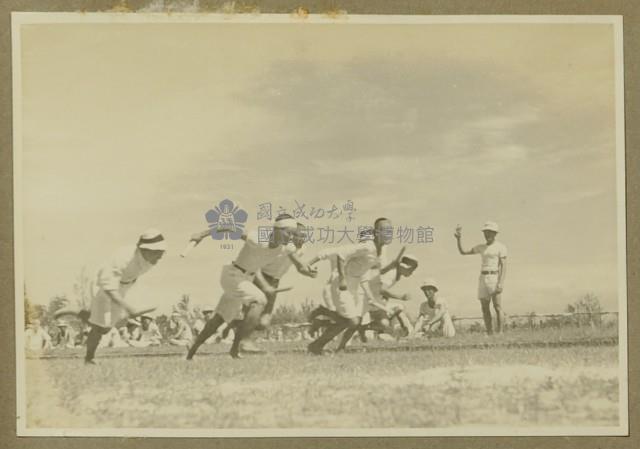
[
  {"x": 279, "y": 266},
  {"x": 256, "y": 254},
  {"x": 491, "y": 255},
  {"x": 358, "y": 258},
  {"x": 124, "y": 267},
  {"x": 440, "y": 304}
]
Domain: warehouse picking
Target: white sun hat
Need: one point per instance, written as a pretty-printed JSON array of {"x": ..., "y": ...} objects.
[
  {"x": 490, "y": 226},
  {"x": 429, "y": 282},
  {"x": 152, "y": 239}
]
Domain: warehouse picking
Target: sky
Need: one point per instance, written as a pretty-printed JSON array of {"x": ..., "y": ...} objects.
[{"x": 127, "y": 127}]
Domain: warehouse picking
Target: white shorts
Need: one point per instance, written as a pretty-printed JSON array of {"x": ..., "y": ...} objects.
[
  {"x": 349, "y": 303},
  {"x": 104, "y": 311},
  {"x": 487, "y": 284},
  {"x": 330, "y": 291},
  {"x": 238, "y": 290}
]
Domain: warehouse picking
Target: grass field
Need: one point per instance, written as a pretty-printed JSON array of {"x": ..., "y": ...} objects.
[{"x": 518, "y": 379}]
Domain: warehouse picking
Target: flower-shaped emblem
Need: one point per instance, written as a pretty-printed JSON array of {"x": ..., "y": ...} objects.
[{"x": 226, "y": 221}]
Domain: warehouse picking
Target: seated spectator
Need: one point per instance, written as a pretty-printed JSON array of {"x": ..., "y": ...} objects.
[
  {"x": 180, "y": 332},
  {"x": 434, "y": 313},
  {"x": 133, "y": 334},
  {"x": 149, "y": 332},
  {"x": 36, "y": 338},
  {"x": 66, "y": 336}
]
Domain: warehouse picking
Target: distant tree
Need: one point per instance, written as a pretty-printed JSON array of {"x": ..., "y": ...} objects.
[
  {"x": 289, "y": 313},
  {"x": 588, "y": 311},
  {"x": 56, "y": 303},
  {"x": 305, "y": 309}
]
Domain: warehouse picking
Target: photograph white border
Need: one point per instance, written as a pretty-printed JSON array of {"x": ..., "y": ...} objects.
[{"x": 29, "y": 18}]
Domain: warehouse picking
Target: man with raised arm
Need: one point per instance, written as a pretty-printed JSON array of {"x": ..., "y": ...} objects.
[{"x": 493, "y": 270}]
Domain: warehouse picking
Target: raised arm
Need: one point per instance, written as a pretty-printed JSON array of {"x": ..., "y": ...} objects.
[
  {"x": 458, "y": 236},
  {"x": 394, "y": 263}
]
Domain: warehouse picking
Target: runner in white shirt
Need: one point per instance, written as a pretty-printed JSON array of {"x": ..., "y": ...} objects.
[
  {"x": 272, "y": 272},
  {"x": 237, "y": 282},
  {"x": 353, "y": 263},
  {"x": 383, "y": 278},
  {"x": 114, "y": 280},
  {"x": 493, "y": 271},
  {"x": 434, "y": 312}
]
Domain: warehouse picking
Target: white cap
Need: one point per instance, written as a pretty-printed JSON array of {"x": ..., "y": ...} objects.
[
  {"x": 208, "y": 308},
  {"x": 146, "y": 315},
  {"x": 490, "y": 226},
  {"x": 429, "y": 282},
  {"x": 152, "y": 239}
]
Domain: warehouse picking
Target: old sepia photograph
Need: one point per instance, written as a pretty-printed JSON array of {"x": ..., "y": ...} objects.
[{"x": 264, "y": 225}]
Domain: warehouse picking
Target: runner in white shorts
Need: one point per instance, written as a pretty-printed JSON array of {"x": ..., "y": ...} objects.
[
  {"x": 237, "y": 282},
  {"x": 272, "y": 273},
  {"x": 492, "y": 273},
  {"x": 379, "y": 303},
  {"x": 382, "y": 278},
  {"x": 114, "y": 280},
  {"x": 353, "y": 263}
]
